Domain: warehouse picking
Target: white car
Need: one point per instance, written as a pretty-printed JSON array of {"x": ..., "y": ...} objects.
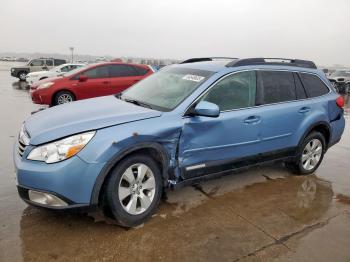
[{"x": 31, "y": 78}]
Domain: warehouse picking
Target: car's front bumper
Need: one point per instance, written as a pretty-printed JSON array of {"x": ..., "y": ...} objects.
[{"x": 71, "y": 180}]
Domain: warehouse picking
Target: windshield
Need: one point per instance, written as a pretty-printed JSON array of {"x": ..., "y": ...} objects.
[
  {"x": 74, "y": 71},
  {"x": 341, "y": 73},
  {"x": 167, "y": 88}
]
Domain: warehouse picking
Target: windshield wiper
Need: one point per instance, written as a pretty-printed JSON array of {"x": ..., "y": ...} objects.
[{"x": 136, "y": 102}]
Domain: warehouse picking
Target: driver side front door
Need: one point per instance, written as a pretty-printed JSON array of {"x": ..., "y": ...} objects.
[{"x": 209, "y": 145}]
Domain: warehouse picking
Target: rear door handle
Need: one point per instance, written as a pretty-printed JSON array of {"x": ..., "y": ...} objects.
[
  {"x": 105, "y": 82},
  {"x": 252, "y": 120},
  {"x": 304, "y": 110}
]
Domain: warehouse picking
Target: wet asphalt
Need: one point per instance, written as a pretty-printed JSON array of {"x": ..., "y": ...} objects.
[{"x": 260, "y": 214}]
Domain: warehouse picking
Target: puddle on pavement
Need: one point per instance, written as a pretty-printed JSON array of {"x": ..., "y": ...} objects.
[{"x": 188, "y": 224}]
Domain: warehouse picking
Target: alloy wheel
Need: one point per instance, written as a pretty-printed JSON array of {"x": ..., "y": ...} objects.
[
  {"x": 64, "y": 98},
  {"x": 311, "y": 154},
  {"x": 137, "y": 189}
]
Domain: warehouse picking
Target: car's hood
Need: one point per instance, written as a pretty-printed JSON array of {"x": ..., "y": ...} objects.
[
  {"x": 85, "y": 115},
  {"x": 50, "y": 79},
  {"x": 19, "y": 67},
  {"x": 40, "y": 73}
]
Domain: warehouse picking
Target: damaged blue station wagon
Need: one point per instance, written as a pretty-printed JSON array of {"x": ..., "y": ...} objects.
[{"x": 188, "y": 122}]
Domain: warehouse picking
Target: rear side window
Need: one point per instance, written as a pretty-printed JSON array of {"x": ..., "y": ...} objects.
[
  {"x": 140, "y": 71},
  {"x": 314, "y": 85},
  {"x": 122, "y": 70},
  {"x": 299, "y": 89},
  {"x": 275, "y": 87},
  {"x": 233, "y": 92}
]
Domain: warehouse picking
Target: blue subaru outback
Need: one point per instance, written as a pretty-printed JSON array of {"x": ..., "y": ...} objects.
[{"x": 188, "y": 122}]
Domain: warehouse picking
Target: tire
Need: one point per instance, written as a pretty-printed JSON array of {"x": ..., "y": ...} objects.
[
  {"x": 63, "y": 97},
  {"x": 311, "y": 151},
  {"x": 22, "y": 76},
  {"x": 128, "y": 203}
]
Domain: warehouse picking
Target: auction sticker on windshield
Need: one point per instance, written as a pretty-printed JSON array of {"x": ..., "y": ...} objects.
[{"x": 194, "y": 78}]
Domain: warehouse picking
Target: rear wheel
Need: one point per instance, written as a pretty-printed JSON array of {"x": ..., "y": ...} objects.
[
  {"x": 63, "y": 97},
  {"x": 310, "y": 154},
  {"x": 134, "y": 190}
]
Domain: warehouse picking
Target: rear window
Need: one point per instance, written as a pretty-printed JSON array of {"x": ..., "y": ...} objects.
[
  {"x": 314, "y": 85},
  {"x": 275, "y": 87}
]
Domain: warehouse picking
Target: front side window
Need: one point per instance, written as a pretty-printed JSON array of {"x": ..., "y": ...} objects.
[
  {"x": 167, "y": 88},
  {"x": 97, "y": 72},
  {"x": 37, "y": 63},
  {"x": 49, "y": 62},
  {"x": 314, "y": 85},
  {"x": 235, "y": 91},
  {"x": 275, "y": 87}
]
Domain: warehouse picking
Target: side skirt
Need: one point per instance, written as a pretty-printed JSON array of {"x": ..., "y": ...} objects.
[{"x": 216, "y": 169}]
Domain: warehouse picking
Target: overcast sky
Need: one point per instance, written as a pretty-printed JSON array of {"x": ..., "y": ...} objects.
[{"x": 310, "y": 29}]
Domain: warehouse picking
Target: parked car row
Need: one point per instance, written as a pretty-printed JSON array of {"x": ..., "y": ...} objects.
[
  {"x": 60, "y": 70},
  {"x": 90, "y": 81},
  {"x": 35, "y": 65},
  {"x": 184, "y": 124}
]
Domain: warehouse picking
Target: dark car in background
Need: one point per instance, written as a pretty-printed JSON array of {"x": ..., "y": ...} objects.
[
  {"x": 91, "y": 81},
  {"x": 35, "y": 65},
  {"x": 341, "y": 80}
]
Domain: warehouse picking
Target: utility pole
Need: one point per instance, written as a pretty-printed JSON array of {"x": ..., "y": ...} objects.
[{"x": 72, "y": 50}]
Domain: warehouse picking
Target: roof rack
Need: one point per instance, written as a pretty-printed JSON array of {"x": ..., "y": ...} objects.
[
  {"x": 272, "y": 61},
  {"x": 205, "y": 59}
]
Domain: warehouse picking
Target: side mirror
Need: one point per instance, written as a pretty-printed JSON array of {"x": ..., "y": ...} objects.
[
  {"x": 83, "y": 78},
  {"x": 205, "y": 108}
]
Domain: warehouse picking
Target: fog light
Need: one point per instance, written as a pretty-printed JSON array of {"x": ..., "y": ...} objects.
[{"x": 45, "y": 199}]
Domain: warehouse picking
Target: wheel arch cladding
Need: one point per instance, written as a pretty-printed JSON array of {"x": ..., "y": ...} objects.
[
  {"x": 153, "y": 149},
  {"x": 321, "y": 127}
]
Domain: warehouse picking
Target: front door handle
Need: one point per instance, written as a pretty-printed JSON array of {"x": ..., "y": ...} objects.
[
  {"x": 304, "y": 110},
  {"x": 252, "y": 120},
  {"x": 105, "y": 82}
]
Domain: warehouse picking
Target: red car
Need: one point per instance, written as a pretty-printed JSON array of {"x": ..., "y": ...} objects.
[{"x": 91, "y": 81}]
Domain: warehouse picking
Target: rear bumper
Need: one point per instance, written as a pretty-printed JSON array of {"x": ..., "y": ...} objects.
[{"x": 338, "y": 127}]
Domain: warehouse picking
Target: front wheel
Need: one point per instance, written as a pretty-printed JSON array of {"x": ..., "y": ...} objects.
[
  {"x": 22, "y": 76},
  {"x": 134, "y": 190},
  {"x": 63, "y": 97},
  {"x": 310, "y": 154}
]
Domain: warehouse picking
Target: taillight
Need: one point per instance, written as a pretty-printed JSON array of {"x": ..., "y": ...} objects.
[{"x": 340, "y": 101}]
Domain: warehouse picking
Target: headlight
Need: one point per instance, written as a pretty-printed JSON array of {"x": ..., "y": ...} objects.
[
  {"x": 61, "y": 149},
  {"x": 45, "y": 85}
]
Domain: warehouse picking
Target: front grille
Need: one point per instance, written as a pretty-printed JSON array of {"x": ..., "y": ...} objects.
[{"x": 21, "y": 148}]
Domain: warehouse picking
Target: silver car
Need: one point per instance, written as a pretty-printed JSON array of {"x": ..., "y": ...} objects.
[{"x": 341, "y": 80}]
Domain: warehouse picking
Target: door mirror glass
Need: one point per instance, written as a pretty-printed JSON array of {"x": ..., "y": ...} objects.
[
  {"x": 83, "y": 78},
  {"x": 208, "y": 109}
]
